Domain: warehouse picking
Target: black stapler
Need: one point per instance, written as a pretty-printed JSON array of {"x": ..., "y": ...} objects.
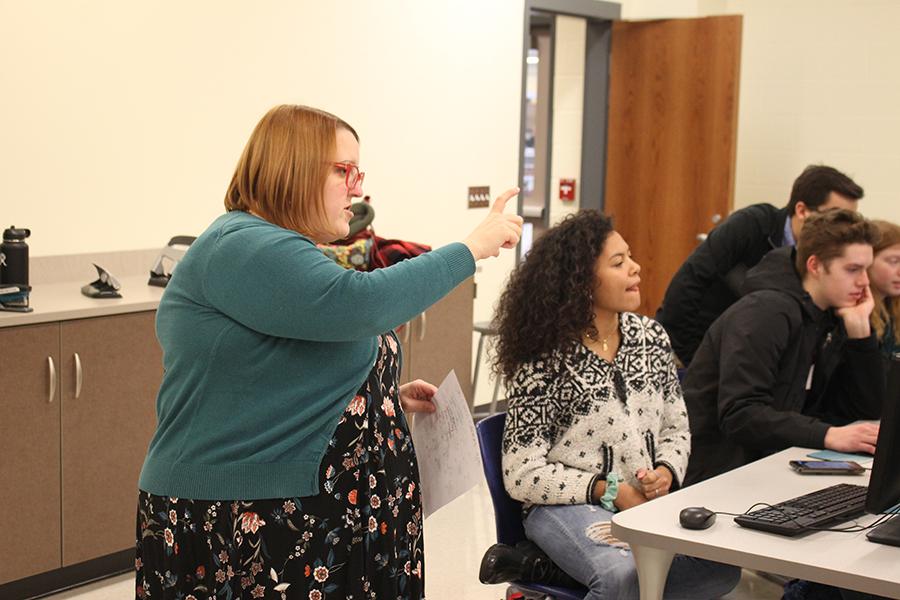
[
  {"x": 172, "y": 253},
  {"x": 105, "y": 286}
]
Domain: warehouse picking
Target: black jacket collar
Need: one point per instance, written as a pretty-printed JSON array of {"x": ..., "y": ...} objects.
[{"x": 776, "y": 271}]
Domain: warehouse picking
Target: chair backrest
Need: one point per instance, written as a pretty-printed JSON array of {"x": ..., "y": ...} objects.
[{"x": 507, "y": 512}]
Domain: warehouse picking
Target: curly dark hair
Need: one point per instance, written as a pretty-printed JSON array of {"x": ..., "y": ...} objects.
[{"x": 548, "y": 301}]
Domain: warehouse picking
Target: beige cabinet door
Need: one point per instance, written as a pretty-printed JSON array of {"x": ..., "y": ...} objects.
[
  {"x": 111, "y": 371},
  {"x": 440, "y": 339},
  {"x": 29, "y": 451}
]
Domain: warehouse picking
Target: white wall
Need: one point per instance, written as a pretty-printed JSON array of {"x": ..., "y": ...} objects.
[
  {"x": 122, "y": 121},
  {"x": 668, "y": 9},
  {"x": 820, "y": 83}
]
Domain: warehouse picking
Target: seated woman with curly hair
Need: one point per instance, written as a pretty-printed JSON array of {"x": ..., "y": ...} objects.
[{"x": 596, "y": 421}]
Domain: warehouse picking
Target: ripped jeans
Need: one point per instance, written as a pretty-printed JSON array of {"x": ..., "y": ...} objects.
[{"x": 578, "y": 539}]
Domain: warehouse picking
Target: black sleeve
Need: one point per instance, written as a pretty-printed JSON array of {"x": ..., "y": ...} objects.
[
  {"x": 750, "y": 361},
  {"x": 727, "y": 245},
  {"x": 855, "y": 390}
]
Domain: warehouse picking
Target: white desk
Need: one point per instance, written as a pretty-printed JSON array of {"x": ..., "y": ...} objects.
[{"x": 845, "y": 560}]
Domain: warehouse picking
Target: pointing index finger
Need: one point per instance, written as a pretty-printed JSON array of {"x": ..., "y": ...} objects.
[{"x": 500, "y": 202}]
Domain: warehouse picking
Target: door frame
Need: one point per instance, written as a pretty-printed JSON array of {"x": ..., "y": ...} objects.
[{"x": 599, "y": 16}]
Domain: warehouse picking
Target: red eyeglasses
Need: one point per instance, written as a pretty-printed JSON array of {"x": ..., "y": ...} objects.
[{"x": 352, "y": 175}]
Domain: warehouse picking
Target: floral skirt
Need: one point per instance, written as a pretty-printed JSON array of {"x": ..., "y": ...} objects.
[{"x": 360, "y": 537}]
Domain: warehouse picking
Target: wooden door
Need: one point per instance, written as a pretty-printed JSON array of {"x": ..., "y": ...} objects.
[
  {"x": 441, "y": 339},
  {"x": 29, "y": 451},
  {"x": 673, "y": 105},
  {"x": 106, "y": 428}
]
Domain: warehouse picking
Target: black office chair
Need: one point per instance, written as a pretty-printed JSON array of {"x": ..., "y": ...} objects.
[{"x": 507, "y": 512}]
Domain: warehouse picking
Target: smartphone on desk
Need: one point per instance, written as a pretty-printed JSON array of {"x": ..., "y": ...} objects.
[{"x": 827, "y": 467}]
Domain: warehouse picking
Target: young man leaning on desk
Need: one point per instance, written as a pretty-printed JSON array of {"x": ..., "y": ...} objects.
[{"x": 793, "y": 362}]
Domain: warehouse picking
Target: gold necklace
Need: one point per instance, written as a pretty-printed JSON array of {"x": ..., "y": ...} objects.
[{"x": 604, "y": 341}]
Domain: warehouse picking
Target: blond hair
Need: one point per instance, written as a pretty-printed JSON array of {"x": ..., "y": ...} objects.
[
  {"x": 282, "y": 172},
  {"x": 890, "y": 308}
]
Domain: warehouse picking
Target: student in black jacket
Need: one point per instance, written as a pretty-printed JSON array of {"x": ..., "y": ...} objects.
[
  {"x": 794, "y": 361},
  {"x": 710, "y": 279}
]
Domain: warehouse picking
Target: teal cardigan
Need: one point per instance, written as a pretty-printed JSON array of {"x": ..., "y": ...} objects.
[{"x": 265, "y": 341}]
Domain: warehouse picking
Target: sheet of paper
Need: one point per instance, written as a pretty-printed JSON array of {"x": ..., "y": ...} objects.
[
  {"x": 446, "y": 447},
  {"x": 862, "y": 459}
]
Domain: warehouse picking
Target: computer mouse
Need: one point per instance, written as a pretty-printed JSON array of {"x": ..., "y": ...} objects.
[{"x": 696, "y": 517}]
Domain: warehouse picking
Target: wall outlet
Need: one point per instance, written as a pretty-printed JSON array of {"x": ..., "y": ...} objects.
[{"x": 479, "y": 196}]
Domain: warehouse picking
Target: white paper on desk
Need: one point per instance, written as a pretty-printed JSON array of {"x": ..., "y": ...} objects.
[{"x": 446, "y": 447}]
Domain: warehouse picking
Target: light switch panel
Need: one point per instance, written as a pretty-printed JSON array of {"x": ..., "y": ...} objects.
[{"x": 479, "y": 196}]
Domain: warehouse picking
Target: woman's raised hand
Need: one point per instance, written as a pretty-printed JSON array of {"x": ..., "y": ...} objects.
[{"x": 497, "y": 231}]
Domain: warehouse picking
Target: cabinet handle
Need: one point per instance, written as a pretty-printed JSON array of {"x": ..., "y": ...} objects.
[
  {"x": 406, "y": 327},
  {"x": 79, "y": 376},
  {"x": 51, "y": 393},
  {"x": 422, "y": 329}
]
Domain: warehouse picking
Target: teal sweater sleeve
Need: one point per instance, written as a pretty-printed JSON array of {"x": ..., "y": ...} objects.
[{"x": 308, "y": 296}]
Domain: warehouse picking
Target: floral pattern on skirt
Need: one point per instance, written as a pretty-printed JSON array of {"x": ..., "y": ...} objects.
[{"x": 360, "y": 537}]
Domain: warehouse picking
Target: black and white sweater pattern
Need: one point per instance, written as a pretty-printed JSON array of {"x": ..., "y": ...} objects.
[{"x": 574, "y": 417}]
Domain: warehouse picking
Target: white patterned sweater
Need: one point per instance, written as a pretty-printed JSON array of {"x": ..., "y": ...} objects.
[{"x": 573, "y": 417}]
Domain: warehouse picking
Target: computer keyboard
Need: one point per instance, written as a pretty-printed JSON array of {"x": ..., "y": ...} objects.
[{"x": 821, "y": 508}]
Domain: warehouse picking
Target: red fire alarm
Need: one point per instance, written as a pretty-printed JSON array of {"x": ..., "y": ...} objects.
[{"x": 567, "y": 189}]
